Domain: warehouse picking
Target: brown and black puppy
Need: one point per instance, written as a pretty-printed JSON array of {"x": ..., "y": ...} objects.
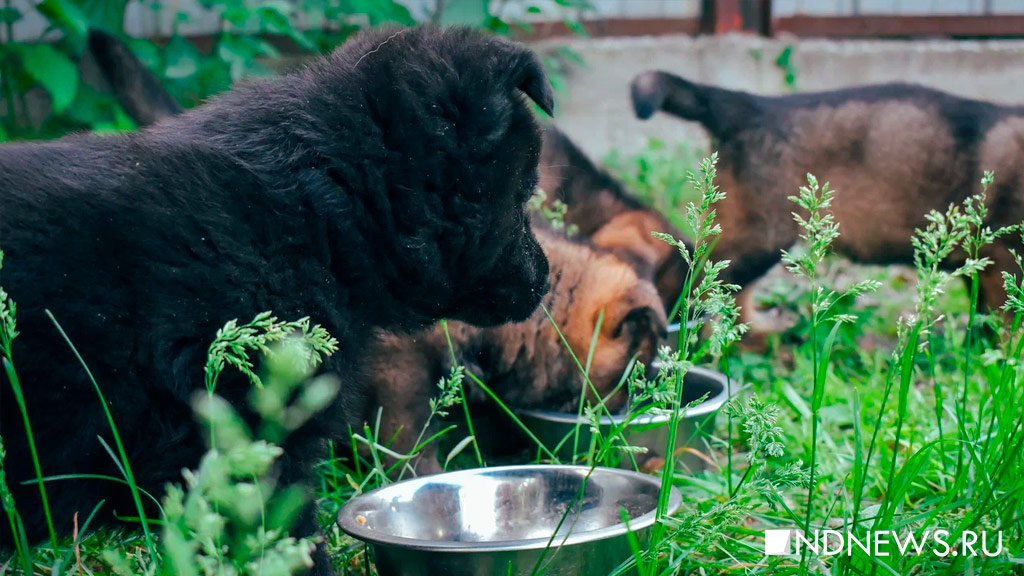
[
  {"x": 382, "y": 188},
  {"x": 892, "y": 153},
  {"x": 525, "y": 363},
  {"x": 608, "y": 216}
]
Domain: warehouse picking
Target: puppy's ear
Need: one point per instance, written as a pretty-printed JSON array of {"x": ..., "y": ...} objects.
[
  {"x": 529, "y": 77},
  {"x": 638, "y": 316},
  {"x": 566, "y": 173},
  {"x": 137, "y": 90}
]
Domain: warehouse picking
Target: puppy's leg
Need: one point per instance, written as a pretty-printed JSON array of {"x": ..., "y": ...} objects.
[
  {"x": 747, "y": 267},
  {"x": 302, "y": 451},
  {"x": 991, "y": 291},
  {"x": 403, "y": 383},
  {"x": 404, "y": 418}
]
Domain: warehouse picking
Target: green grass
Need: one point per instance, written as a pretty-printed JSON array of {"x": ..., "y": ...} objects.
[{"x": 888, "y": 405}]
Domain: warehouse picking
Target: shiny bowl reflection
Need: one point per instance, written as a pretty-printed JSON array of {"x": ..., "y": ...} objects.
[
  {"x": 557, "y": 429},
  {"x": 505, "y": 520}
]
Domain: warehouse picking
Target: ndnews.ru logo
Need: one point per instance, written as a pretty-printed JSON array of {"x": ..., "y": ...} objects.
[{"x": 882, "y": 543}]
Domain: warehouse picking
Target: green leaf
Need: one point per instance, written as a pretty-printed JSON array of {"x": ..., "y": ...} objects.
[
  {"x": 91, "y": 107},
  {"x": 499, "y": 26},
  {"x": 285, "y": 506},
  {"x": 66, "y": 16},
  {"x": 182, "y": 58},
  {"x": 105, "y": 14},
  {"x": 9, "y": 15},
  {"x": 238, "y": 52},
  {"x": 52, "y": 70},
  {"x": 858, "y": 450},
  {"x": 907, "y": 371},
  {"x": 382, "y": 11},
  {"x": 458, "y": 449},
  {"x": 818, "y": 395},
  {"x": 907, "y": 477},
  {"x": 146, "y": 51},
  {"x": 274, "y": 18},
  {"x": 467, "y": 12}
]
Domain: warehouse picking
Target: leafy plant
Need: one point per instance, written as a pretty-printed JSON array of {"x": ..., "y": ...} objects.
[
  {"x": 240, "y": 48},
  {"x": 784, "y": 62},
  {"x": 819, "y": 231},
  {"x": 249, "y": 35},
  {"x": 230, "y": 517},
  {"x": 553, "y": 213}
]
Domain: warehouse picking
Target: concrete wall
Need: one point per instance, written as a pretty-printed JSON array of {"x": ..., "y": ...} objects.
[{"x": 596, "y": 110}]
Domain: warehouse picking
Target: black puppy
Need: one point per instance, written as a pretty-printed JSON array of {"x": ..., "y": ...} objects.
[{"x": 382, "y": 188}]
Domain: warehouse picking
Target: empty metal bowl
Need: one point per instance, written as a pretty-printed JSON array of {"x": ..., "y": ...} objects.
[
  {"x": 506, "y": 521},
  {"x": 650, "y": 431}
]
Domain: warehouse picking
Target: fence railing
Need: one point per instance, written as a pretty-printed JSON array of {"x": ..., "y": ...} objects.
[{"x": 827, "y": 18}]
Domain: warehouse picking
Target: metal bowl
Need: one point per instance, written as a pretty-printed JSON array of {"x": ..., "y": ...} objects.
[
  {"x": 672, "y": 338},
  {"x": 672, "y": 331},
  {"x": 506, "y": 520},
  {"x": 650, "y": 431}
]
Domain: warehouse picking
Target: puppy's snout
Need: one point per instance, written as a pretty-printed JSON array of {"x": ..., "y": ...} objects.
[{"x": 538, "y": 268}]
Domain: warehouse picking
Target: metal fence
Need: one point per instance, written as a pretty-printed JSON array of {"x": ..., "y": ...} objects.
[
  {"x": 153, "y": 18},
  {"x": 783, "y": 8}
]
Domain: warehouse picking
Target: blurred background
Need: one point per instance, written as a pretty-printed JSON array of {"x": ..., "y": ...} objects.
[{"x": 974, "y": 48}]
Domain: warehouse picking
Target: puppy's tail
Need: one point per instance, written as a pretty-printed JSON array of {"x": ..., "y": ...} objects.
[
  {"x": 720, "y": 111},
  {"x": 137, "y": 90}
]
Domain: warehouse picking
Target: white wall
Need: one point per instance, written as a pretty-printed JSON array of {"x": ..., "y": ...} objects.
[{"x": 596, "y": 110}]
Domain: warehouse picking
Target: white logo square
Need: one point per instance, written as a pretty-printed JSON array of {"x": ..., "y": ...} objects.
[{"x": 777, "y": 543}]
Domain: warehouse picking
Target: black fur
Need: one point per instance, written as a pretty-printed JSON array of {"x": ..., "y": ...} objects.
[
  {"x": 724, "y": 112},
  {"x": 383, "y": 187}
]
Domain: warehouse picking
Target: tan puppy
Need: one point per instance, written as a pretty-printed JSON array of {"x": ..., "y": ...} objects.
[{"x": 526, "y": 363}]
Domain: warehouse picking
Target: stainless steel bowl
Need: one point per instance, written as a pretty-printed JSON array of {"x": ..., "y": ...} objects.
[
  {"x": 650, "y": 431},
  {"x": 506, "y": 521},
  {"x": 672, "y": 338}
]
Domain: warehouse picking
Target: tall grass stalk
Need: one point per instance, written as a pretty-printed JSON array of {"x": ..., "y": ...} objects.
[
  {"x": 704, "y": 294},
  {"x": 8, "y": 333},
  {"x": 977, "y": 235},
  {"x": 462, "y": 396},
  {"x": 12, "y": 377},
  {"x": 587, "y": 384},
  {"x": 701, "y": 218},
  {"x": 123, "y": 462},
  {"x": 819, "y": 230},
  {"x": 21, "y": 547}
]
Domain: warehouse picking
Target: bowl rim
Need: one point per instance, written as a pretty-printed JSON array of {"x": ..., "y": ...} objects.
[
  {"x": 346, "y": 519},
  {"x": 708, "y": 406}
]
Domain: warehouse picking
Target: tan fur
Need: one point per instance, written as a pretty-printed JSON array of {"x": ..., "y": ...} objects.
[
  {"x": 907, "y": 161},
  {"x": 526, "y": 363},
  {"x": 891, "y": 152}
]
